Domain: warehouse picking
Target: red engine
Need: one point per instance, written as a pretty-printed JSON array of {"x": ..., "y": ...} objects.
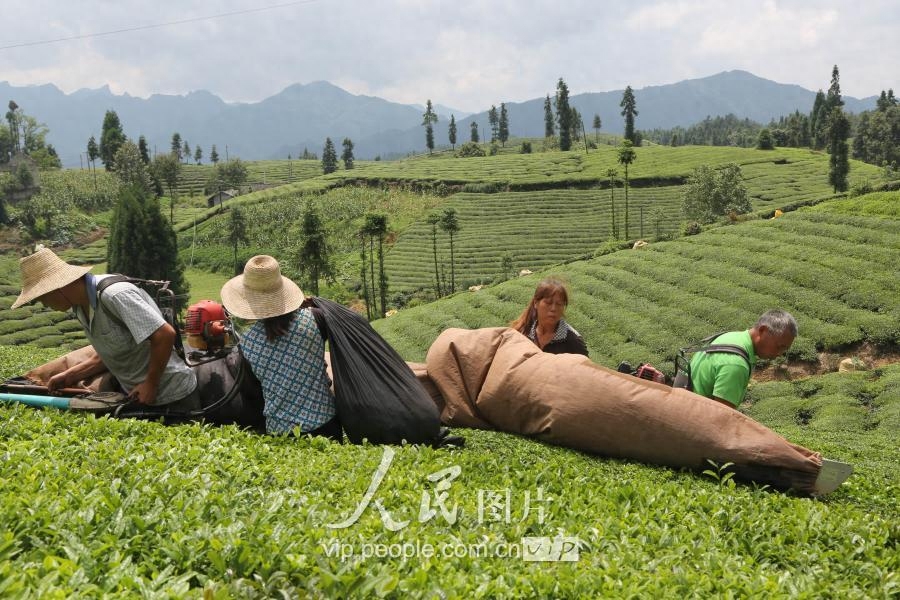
[{"x": 206, "y": 326}]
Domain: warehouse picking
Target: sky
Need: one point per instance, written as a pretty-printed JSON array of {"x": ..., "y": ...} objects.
[{"x": 462, "y": 54}]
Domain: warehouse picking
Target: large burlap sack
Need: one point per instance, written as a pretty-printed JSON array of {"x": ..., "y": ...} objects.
[{"x": 497, "y": 378}]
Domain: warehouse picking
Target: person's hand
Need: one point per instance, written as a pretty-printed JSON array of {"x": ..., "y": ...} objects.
[
  {"x": 144, "y": 393},
  {"x": 59, "y": 381}
]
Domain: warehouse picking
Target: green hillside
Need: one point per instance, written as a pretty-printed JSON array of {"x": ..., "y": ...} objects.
[
  {"x": 837, "y": 272},
  {"x": 106, "y": 508}
]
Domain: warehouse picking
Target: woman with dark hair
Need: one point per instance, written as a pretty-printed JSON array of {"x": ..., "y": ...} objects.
[
  {"x": 285, "y": 350},
  {"x": 542, "y": 320}
]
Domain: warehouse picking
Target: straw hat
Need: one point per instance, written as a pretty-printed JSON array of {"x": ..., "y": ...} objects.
[
  {"x": 43, "y": 272},
  {"x": 262, "y": 291}
]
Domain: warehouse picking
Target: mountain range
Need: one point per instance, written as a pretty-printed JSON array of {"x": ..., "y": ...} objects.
[{"x": 302, "y": 116}]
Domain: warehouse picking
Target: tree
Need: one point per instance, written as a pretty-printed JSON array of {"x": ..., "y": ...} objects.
[
  {"x": 494, "y": 121},
  {"x": 817, "y": 121},
  {"x": 833, "y": 97},
  {"x": 597, "y": 124},
  {"x": 434, "y": 219},
  {"x": 111, "y": 139},
  {"x": 563, "y": 115},
  {"x": 237, "y": 233},
  {"x": 451, "y": 132},
  {"x": 165, "y": 169},
  {"x": 314, "y": 258},
  {"x": 93, "y": 153},
  {"x": 131, "y": 170},
  {"x": 614, "y": 229},
  {"x": 549, "y": 130},
  {"x": 12, "y": 117},
  {"x": 375, "y": 227},
  {"x": 177, "y": 147},
  {"x": 626, "y": 156},
  {"x": 838, "y": 128},
  {"x": 214, "y": 155},
  {"x": 142, "y": 148},
  {"x": 428, "y": 120},
  {"x": 347, "y": 154},
  {"x": 142, "y": 243},
  {"x": 764, "y": 141},
  {"x": 198, "y": 154},
  {"x": 186, "y": 151},
  {"x": 711, "y": 194},
  {"x": 503, "y": 126},
  {"x": 629, "y": 111},
  {"x": 329, "y": 157},
  {"x": 450, "y": 225},
  {"x": 473, "y": 132}
]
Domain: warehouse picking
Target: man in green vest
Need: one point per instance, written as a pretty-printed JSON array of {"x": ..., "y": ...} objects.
[{"x": 723, "y": 376}]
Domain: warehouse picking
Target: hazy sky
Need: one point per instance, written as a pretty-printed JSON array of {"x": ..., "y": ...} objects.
[{"x": 465, "y": 54}]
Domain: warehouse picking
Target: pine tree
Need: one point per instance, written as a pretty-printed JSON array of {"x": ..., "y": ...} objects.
[
  {"x": 629, "y": 111},
  {"x": 142, "y": 243},
  {"x": 314, "y": 258},
  {"x": 451, "y": 132},
  {"x": 237, "y": 233},
  {"x": 329, "y": 157},
  {"x": 186, "y": 151},
  {"x": 214, "y": 155},
  {"x": 473, "y": 132},
  {"x": 177, "y": 148},
  {"x": 597, "y": 124},
  {"x": 198, "y": 154},
  {"x": 494, "y": 122},
  {"x": 130, "y": 168},
  {"x": 347, "y": 154},
  {"x": 503, "y": 126},
  {"x": 142, "y": 147},
  {"x": 839, "y": 161},
  {"x": 111, "y": 139},
  {"x": 428, "y": 120},
  {"x": 549, "y": 130},
  {"x": 563, "y": 115}
]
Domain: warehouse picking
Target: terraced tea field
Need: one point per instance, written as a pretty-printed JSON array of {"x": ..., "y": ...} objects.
[
  {"x": 837, "y": 272},
  {"x": 535, "y": 229}
]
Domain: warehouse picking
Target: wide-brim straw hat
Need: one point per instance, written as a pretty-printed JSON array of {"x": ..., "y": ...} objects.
[
  {"x": 44, "y": 272},
  {"x": 262, "y": 291}
]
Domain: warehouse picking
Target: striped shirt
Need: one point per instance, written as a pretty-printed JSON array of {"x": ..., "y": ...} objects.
[{"x": 291, "y": 369}]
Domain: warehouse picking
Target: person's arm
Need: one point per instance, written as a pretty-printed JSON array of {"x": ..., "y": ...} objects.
[
  {"x": 161, "y": 342},
  {"x": 74, "y": 374}
]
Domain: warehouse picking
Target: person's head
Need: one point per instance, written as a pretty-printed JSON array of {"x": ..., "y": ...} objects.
[
  {"x": 262, "y": 293},
  {"x": 773, "y": 333},
  {"x": 48, "y": 279},
  {"x": 547, "y": 306}
]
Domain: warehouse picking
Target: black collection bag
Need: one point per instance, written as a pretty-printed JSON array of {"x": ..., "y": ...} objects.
[{"x": 377, "y": 395}]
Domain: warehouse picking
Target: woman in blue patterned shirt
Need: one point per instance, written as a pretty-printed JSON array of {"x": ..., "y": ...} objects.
[{"x": 284, "y": 348}]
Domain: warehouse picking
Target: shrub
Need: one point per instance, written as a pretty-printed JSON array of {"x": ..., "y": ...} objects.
[
  {"x": 470, "y": 149},
  {"x": 526, "y": 148},
  {"x": 495, "y": 149},
  {"x": 691, "y": 228}
]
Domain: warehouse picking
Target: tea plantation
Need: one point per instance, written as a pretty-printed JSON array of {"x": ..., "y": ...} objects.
[{"x": 99, "y": 507}]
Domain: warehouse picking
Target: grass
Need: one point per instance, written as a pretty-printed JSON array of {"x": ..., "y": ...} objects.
[{"x": 98, "y": 507}]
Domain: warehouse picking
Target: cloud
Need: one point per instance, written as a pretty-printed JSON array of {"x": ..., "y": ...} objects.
[{"x": 466, "y": 54}]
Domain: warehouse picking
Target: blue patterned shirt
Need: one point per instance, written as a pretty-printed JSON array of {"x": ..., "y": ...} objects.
[{"x": 295, "y": 384}]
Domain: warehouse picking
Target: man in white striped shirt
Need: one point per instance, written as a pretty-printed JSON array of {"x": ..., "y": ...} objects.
[{"x": 132, "y": 339}]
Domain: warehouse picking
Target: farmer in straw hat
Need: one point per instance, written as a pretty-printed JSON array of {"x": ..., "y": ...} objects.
[
  {"x": 284, "y": 348},
  {"x": 131, "y": 339}
]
